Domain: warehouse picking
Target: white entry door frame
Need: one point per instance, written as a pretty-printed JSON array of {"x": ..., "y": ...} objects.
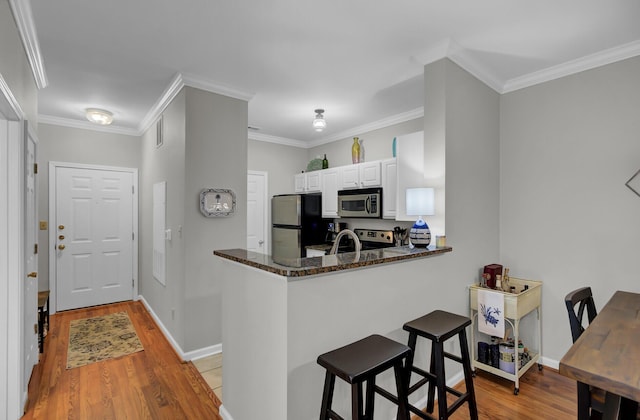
[
  {"x": 12, "y": 269},
  {"x": 53, "y": 231}
]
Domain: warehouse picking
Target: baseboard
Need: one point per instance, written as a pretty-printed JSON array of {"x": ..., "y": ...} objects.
[
  {"x": 552, "y": 363},
  {"x": 204, "y": 352},
  {"x": 165, "y": 331},
  {"x": 224, "y": 413},
  {"x": 186, "y": 356}
]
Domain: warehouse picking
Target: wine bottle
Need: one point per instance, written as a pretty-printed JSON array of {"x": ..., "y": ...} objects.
[{"x": 325, "y": 162}]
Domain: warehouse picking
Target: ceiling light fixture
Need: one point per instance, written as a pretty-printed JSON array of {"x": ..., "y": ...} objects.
[
  {"x": 319, "y": 123},
  {"x": 99, "y": 116}
]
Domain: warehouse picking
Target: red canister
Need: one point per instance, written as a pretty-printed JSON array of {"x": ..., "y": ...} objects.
[{"x": 490, "y": 272}]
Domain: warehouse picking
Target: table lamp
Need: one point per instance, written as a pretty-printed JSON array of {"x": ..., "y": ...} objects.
[{"x": 420, "y": 202}]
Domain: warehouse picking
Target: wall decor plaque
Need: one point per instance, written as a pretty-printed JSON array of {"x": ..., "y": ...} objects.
[{"x": 216, "y": 202}]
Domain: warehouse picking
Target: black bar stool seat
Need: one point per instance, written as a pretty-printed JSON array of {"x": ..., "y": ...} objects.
[
  {"x": 360, "y": 362},
  {"x": 439, "y": 326}
]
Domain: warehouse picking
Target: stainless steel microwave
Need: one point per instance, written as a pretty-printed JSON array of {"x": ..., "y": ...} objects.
[{"x": 366, "y": 202}]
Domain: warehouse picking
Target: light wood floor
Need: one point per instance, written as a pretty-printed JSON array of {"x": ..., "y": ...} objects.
[
  {"x": 151, "y": 384},
  {"x": 155, "y": 384}
]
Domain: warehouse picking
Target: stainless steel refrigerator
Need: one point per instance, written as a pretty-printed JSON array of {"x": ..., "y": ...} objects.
[{"x": 296, "y": 223}]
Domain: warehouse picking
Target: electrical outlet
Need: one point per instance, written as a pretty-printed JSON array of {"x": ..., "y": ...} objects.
[{"x": 44, "y": 225}]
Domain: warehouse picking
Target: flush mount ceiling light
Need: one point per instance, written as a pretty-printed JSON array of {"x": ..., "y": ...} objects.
[
  {"x": 319, "y": 123},
  {"x": 99, "y": 116}
]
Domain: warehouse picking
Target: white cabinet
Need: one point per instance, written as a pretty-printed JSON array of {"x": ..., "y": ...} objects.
[
  {"x": 389, "y": 188},
  {"x": 370, "y": 174},
  {"x": 330, "y": 179},
  {"x": 300, "y": 182},
  {"x": 307, "y": 182},
  {"x": 361, "y": 175}
]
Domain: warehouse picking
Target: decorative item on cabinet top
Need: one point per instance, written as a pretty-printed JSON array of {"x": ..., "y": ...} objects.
[{"x": 216, "y": 202}]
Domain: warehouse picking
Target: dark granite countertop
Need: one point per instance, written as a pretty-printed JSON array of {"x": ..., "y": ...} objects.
[{"x": 299, "y": 267}]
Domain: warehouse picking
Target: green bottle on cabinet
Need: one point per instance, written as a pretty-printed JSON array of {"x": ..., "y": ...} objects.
[
  {"x": 355, "y": 151},
  {"x": 325, "y": 162}
]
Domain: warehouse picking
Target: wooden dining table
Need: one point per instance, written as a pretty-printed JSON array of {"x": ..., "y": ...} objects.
[{"x": 607, "y": 354}]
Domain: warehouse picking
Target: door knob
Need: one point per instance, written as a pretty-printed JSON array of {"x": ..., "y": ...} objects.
[
  {"x": 61, "y": 227},
  {"x": 260, "y": 242},
  {"x": 32, "y": 274},
  {"x": 61, "y": 237},
  {"x": 61, "y": 247}
]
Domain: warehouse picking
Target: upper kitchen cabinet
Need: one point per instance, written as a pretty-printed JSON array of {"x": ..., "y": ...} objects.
[
  {"x": 389, "y": 188},
  {"x": 307, "y": 182},
  {"x": 361, "y": 175},
  {"x": 330, "y": 179}
]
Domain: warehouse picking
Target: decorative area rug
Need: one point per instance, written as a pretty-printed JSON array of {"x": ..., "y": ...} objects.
[{"x": 101, "y": 338}]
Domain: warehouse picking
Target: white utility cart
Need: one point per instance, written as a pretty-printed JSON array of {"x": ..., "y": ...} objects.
[{"x": 516, "y": 306}]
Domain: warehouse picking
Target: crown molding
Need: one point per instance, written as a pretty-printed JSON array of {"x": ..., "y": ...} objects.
[
  {"x": 9, "y": 107},
  {"x": 376, "y": 125},
  {"x": 86, "y": 125},
  {"x": 588, "y": 62},
  {"x": 277, "y": 140},
  {"x": 23, "y": 16},
  {"x": 174, "y": 87},
  {"x": 209, "y": 86},
  {"x": 462, "y": 58}
]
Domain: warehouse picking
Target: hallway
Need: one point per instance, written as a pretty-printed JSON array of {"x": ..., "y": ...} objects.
[{"x": 151, "y": 384}]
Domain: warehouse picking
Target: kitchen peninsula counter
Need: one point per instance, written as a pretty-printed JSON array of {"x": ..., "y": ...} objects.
[
  {"x": 300, "y": 267},
  {"x": 278, "y": 316}
]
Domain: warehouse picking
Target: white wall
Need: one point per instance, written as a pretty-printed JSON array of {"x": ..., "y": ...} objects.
[
  {"x": 377, "y": 144},
  {"x": 567, "y": 148},
  {"x": 281, "y": 162},
  {"x": 64, "y": 144},
  {"x": 216, "y": 156},
  {"x": 166, "y": 163},
  {"x": 14, "y": 66}
]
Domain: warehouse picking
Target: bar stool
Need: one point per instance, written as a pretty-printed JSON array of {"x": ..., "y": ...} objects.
[
  {"x": 359, "y": 362},
  {"x": 439, "y": 326}
]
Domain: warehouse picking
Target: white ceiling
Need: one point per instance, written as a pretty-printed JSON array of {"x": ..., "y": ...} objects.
[{"x": 362, "y": 61}]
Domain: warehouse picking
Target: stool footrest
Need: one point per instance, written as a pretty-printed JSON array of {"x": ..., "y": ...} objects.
[
  {"x": 417, "y": 385},
  {"x": 453, "y": 357},
  {"x": 386, "y": 394},
  {"x": 430, "y": 376},
  {"x": 420, "y": 413},
  {"x": 462, "y": 398}
]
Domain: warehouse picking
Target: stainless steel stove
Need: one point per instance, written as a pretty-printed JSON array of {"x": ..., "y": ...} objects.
[{"x": 375, "y": 239}]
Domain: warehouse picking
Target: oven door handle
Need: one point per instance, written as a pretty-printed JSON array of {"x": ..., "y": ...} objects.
[{"x": 367, "y": 205}]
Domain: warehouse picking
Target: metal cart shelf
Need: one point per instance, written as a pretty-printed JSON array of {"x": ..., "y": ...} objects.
[{"x": 516, "y": 306}]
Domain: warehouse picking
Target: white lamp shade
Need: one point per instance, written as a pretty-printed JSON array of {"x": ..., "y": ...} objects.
[
  {"x": 319, "y": 124},
  {"x": 420, "y": 202}
]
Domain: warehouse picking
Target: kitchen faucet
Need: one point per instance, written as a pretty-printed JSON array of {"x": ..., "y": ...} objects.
[{"x": 336, "y": 243}]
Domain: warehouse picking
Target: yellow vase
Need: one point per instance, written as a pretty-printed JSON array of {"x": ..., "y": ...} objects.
[{"x": 355, "y": 151}]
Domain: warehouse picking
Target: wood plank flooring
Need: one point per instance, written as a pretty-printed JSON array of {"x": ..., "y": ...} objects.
[
  {"x": 151, "y": 384},
  {"x": 543, "y": 395},
  {"x": 156, "y": 384}
]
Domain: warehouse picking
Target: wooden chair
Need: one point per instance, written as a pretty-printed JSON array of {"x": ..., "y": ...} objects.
[{"x": 590, "y": 399}]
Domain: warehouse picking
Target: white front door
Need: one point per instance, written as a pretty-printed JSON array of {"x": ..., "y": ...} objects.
[
  {"x": 257, "y": 215},
  {"x": 31, "y": 258},
  {"x": 94, "y": 227}
]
